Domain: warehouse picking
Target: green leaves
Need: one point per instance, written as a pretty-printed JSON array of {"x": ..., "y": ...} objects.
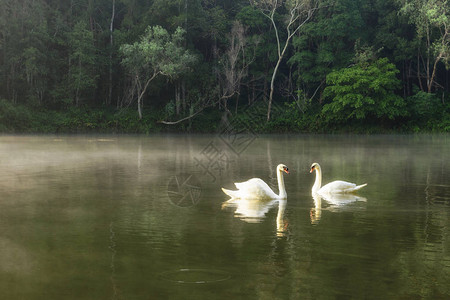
[
  {"x": 432, "y": 21},
  {"x": 363, "y": 91},
  {"x": 157, "y": 52}
]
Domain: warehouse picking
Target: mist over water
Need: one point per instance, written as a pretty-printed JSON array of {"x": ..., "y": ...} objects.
[{"x": 144, "y": 217}]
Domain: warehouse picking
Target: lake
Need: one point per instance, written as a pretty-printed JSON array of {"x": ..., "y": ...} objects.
[{"x": 144, "y": 217}]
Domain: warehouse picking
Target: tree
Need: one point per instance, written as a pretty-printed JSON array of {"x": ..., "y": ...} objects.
[
  {"x": 432, "y": 21},
  {"x": 157, "y": 53},
  {"x": 298, "y": 13},
  {"x": 396, "y": 36},
  {"x": 232, "y": 67},
  {"x": 82, "y": 59},
  {"x": 23, "y": 50},
  {"x": 111, "y": 45},
  {"x": 326, "y": 43},
  {"x": 234, "y": 63},
  {"x": 362, "y": 91},
  {"x": 36, "y": 73}
]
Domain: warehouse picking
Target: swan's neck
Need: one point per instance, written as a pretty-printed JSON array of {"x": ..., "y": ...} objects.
[
  {"x": 281, "y": 188},
  {"x": 318, "y": 182}
]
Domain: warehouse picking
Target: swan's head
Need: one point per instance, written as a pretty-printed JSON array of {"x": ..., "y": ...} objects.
[
  {"x": 314, "y": 166},
  {"x": 283, "y": 168}
]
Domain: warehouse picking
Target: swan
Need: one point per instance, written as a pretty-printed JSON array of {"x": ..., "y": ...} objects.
[
  {"x": 335, "y": 187},
  {"x": 256, "y": 188}
]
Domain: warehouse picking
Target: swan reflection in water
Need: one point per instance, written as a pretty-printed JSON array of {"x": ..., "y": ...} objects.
[
  {"x": 254, "y": 198},
  {"x": 255, "y": 210},
  {"x": 336, "y": 202},
  {"x": 316, "y": 212}
]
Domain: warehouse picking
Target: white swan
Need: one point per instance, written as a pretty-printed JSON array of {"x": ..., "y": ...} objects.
[
  {"x": 256, "y": 188},
  {"x": 334, "y": 187}
]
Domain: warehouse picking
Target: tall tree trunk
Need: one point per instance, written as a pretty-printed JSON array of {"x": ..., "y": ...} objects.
[
  {"x": 265, "y": 87},
  {"x": 275, "y": 71},
  {"x": 428, "y": 59},
  {"x": 111, "y": 43},
  {"x": 141, "y": 93},
  {"x": 77, "y": 90},
  {"x": 140, "y": 108},
  {"x": 418, "y": 71},
  {"x": 272, "y": 86},
  {"x": 295, "y": 21},
  {"x": 177, "y": 98},
  {"x": 183, "y": 95},
  {"x": 433, "y": 74}
]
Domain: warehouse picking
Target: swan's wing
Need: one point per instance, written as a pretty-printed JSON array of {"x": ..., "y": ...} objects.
[
  {"x": 255, "y": 188},
  {"x": 249, "y": 184},
  {"x": 338, "y": 186}
]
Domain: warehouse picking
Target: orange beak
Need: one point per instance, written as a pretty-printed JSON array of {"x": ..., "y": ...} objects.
[
  {"x": 312, "y": 169},
  {"x": 286, "y": 171}
]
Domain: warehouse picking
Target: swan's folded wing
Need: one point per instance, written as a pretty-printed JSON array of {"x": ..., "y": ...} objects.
[
  {"x": 255, "y": 188},
  {"x": 338, "y": 186},
  {"x": 254, "y": 183}
]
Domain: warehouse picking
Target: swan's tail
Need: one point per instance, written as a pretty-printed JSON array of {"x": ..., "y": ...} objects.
[
  {"x": 232, "y": 194},
  {"x": 359, "y": 186}
]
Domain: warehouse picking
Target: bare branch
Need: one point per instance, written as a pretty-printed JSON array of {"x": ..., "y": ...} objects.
[{"x": 183, "y": 119}]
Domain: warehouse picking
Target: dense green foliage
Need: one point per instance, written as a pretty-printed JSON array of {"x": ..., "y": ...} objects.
[
  {"x": 157, "y": 53},
  {"x": 363, "y": 91},
  {"x": 195, "y": 65}
]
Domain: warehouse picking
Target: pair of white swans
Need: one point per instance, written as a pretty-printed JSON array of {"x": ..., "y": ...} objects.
[{"x": 256, "y": 188}]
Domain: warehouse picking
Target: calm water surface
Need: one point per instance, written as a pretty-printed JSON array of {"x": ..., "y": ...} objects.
[{"x": 131, "y": 217}]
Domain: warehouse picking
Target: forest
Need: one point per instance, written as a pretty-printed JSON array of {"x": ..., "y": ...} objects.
[{"x": 144, "y": 66}]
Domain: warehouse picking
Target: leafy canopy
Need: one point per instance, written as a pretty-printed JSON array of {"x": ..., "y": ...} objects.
[
  {"x": 157, "y": 52},
  {"x": 362, "y": 91}
]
